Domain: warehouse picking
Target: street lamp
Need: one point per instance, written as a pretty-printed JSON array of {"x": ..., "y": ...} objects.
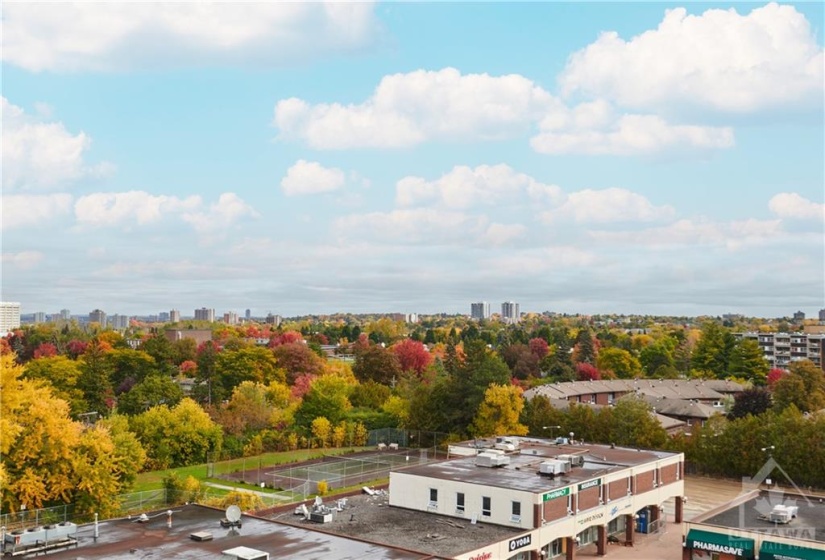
[{"x": 550, "y": 428}]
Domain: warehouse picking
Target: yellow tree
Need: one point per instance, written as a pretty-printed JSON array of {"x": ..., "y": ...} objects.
[
  {"x": 498, "y": 413},
  {"x": 321, "y": 430}
]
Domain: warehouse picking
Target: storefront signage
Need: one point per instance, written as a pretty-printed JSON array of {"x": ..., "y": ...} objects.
[
  {"x": 590, "y": 484},
  {"x": 482, "y": 556},
  {"x": 520, "y": 542},
  {"x": 556, "y": 494},
  {"x": 723, "y": 548},
  {"x": 590, "y": 518}
]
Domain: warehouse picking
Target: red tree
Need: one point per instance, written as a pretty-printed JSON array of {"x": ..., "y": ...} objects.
[
  {"x": 587, "y": 372},
  {"x": 45, "y": 350},
  {"x": 188, "y": 367},
  {"x": 302, "y": 385},
  {"x": 285, "y": 338},
  {"x": 775, "y": 375},
  {"x": 539, "y": 347},
  {"x": 76, "y": 348},
  {"x": 412, "y": 355}
]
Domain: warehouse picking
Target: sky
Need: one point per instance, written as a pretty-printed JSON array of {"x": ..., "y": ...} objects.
[{"x": 303, "y": 158}]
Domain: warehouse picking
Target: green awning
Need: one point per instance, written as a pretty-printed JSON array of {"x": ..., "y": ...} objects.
[
  {"x": 781, "y": 551},
  {"x": 720, "y": 542}
]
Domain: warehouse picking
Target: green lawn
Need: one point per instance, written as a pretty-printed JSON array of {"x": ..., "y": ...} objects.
[{"x": 154, "y": 479}]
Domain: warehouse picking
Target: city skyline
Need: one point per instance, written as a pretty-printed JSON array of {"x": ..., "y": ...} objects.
[{"x": 316, "y": 158}]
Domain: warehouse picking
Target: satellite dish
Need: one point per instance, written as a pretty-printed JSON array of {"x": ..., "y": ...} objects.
[{"x": 233, "y": 514}]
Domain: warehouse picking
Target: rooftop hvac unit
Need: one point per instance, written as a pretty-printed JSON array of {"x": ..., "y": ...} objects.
[
  {"x": 574, "y": 460},
  {"x": 783, "y": 514},
  {"x": 554, "y": 467},
  {"x": 488, "y": 459},
  {"x": 506, "y": 444}
]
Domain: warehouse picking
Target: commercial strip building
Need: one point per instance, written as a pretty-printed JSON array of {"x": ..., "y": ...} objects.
[
  {"x": 560, "y": 494},
  {"x": 759, "y": 525}
]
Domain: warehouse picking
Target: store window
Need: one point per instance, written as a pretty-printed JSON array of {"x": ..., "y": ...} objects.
[
  {"x": 459, "y": 503},
  {"x": 515, "y": 513},
  {"x": 486, "y": 510}
]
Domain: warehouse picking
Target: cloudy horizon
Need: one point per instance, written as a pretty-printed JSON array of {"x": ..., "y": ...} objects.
[{"x": 318, "y": 158}]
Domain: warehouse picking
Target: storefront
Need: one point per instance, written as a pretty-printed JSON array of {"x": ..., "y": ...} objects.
[
  {"x": 781, "y": 551},
  {"x": 705, "y": 545}
]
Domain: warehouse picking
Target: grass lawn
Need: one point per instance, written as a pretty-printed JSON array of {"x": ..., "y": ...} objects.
[{"x": 154, "y": 479}]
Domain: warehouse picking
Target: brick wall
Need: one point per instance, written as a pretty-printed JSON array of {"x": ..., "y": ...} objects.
[
  {"x": 644, "y": 482},
  {"x": 589, "y": 498}
]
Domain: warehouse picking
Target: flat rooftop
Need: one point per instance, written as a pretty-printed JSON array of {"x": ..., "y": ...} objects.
[
  {"x": 747, "y": 515},
  {"x": 372, "y": 518},
  {"x": 122, "y": 539},
  {"x": 522, "y": 472}
]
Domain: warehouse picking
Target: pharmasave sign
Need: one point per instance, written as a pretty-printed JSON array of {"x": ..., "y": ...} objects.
[
  {"x": 723, "y": 548},
  {"x": 556, "y": 494}
]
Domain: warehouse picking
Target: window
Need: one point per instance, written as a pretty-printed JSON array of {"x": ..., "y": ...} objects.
[
  {"x": 433, "y": 498},
  {"x": 515, "y": 515},
  {"x": 485, "y": 506},
  {"x": 459, "y": 502}
]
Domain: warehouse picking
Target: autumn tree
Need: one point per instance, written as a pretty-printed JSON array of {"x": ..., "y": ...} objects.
[
  {"x": 321, "y": 431},
  {"x": 622, "y": 363},
  {"x": 522, "y": 361},
  {"x": 803, "y": 386},
  {"x": 179, "y": 436},
  {"x": 499, "y": 412},
  {"x": 62, "y": 374},
  {"x": 247, "y": 364},
  {"x": 297, "y": 359},
  {"x": 412, "y": 356},
  {"x": 378, "y": 364}
]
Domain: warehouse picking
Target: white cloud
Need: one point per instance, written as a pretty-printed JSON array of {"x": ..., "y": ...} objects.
[
  {"x": 407, "y": 109},
  {"x": 628, "y": 135},
  {"x": 608, "y": 205},
  {"x": 464, "y": 187},
  {"x": 42, "y": 155},
  {"x": 33, "y": 210},
  {"x": 701, "y": 232},
  {"x": 503, "y": 234},
  {"x": 309, "y": 177},
  {"x": 117, "y": 36},
  {"x": 23, "y": 260},
  {"x": 221, "y": 216},
  {"x": 112, "y": 209},
  {"x": 719, "y": 59},
  {"x": 412, "y": 226},
  {"x": 794, "y": 206}
]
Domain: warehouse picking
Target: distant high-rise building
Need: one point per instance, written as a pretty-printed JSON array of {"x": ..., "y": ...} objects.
[
  {"x": 480, "y": 310},
  {"x": 799, "y": 316},
  {"x": 230, "y": 318},
  {"x": 204, "y": 314},
  {"x": 163, "y": 317},
  {"x": 273, "y": 319},
  {"x": 98, "y": 316},
  {"x": 822, "y": 314},
  {"x": 9, "y": 316},
  {"x": 510, "y": 312},
  {"x": 65, "y": 314},
  {"x": 248, "y": 314},
  {"x": 174, "y": 316},
  {"x": 39, "y": 317},
  {"x": 411, "y": 318},
  {"x": 119, "y": 322}
]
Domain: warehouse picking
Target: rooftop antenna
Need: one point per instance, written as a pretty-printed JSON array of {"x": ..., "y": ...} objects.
[{"x": 233, "y": 517}]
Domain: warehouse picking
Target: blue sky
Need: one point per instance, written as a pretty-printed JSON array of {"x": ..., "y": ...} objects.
[{"x": 413, "y": 157}]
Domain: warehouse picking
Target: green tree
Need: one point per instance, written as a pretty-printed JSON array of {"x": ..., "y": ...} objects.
[
  {"x": 328, "y": 396},
  {"x": 152, "y": 391},
  {"x": 748, "y": 362},
  {"x": 713, "y": 351},
  {"x": 585, "y": 350},
  {"x": 658, "y": 355},
  {"x": 632, "y": 423},
  {"x": 247, "y": 364},
  {"x": 95, "y": 373}
]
